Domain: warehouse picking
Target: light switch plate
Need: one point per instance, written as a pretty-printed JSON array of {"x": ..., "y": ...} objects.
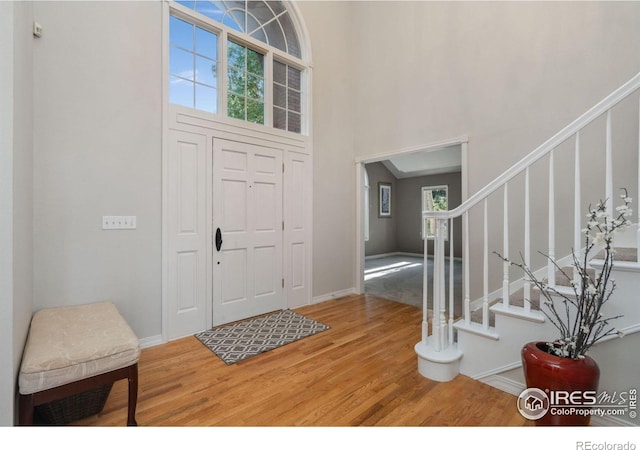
[{"x": 118, "y": 222}]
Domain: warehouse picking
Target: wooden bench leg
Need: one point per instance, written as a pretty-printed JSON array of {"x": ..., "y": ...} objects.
[
  {"x": 27, "y": 409},
  {"x": 133, "y": 395}
]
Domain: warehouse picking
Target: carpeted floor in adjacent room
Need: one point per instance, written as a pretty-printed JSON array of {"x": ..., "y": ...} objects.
[{"x": 400, "y": 278}]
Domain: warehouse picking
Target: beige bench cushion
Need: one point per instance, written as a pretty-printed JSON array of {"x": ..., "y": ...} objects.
[{"x": 71, "y": 343}]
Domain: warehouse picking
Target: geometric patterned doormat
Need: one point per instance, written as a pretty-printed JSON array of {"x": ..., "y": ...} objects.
[{"x": 242, "y": 340}]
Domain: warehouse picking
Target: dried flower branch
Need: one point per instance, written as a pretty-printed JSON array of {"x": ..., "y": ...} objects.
[{"x": 578, "y": 317}]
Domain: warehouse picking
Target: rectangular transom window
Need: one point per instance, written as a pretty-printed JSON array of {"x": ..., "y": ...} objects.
[{"x": 193, "y": 66}]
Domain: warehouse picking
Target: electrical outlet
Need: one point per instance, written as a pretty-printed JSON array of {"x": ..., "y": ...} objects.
[{"x": 118, "y": 222}]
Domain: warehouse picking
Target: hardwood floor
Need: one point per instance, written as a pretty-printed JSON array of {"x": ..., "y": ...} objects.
[{"x": 363, "y": 371}]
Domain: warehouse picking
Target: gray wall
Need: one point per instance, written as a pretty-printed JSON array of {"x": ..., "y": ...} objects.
[
  {"x": 409, "y": 207},
  {"x": 383, "y": 231},
  {"x": 401, "y": 232}
]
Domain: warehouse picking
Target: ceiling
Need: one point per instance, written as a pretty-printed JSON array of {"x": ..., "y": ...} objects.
[{"x": 427, "y": 162}]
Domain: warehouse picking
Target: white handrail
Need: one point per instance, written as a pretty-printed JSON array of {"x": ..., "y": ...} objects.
[{"x": 567, "y": 132}]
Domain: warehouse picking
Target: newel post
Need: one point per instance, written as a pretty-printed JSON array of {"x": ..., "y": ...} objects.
[{"x": 438, "y": 357}]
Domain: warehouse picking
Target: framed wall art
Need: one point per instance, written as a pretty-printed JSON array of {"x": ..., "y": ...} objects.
[{"x": 384, "y": 199}]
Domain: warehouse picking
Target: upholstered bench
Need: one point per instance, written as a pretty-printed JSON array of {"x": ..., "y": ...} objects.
[{"x": 74, "y": 349}]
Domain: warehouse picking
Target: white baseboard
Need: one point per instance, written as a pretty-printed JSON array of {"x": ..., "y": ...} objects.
[
  {"x": 151, "y": 341},
  {"x": 382, "y": 255},
  {"x": 505, "y": 384},
  {"x": 333, "y": 295},
  {"x": 414, "y": 255}
]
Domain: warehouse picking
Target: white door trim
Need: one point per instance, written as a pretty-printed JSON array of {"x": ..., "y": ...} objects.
[
  {"x": 360, "y": 162},
  {"x": 297, "y": 204}
]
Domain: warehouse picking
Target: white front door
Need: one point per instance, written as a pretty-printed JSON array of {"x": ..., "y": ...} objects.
[{"x": 247, "y": 210}]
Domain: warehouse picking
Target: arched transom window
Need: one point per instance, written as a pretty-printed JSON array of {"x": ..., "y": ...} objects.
[{"x": 242, "y": 59}]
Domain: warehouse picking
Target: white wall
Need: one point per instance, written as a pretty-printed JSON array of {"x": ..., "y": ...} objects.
[
  {"x": 6, "y": 215},
  {"x": 16, "y": 195},
  {"x": 330, "y": 28},
  {"x": 98, "y": 128},
  {"x": 507, "y": 74},
  {"x": 23, "y": 179},
  {"x": 390, "y": 75}
]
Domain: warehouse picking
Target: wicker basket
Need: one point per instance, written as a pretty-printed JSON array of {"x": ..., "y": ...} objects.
[{"x": 74, "y": 407}]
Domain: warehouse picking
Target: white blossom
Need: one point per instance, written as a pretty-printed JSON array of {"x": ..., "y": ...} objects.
[{"x": 599, "y": 239}]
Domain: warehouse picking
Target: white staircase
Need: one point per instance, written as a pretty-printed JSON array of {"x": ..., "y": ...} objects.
[{"x": 522, "y": 213}]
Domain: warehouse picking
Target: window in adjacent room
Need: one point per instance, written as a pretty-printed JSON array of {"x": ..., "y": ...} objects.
[{"x": 434, "y": 198}]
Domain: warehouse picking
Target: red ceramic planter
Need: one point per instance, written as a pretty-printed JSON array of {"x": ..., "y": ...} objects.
[{"x": 564, "y": 380}]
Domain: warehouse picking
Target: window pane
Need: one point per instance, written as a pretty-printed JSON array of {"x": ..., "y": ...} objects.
[
  {"x": 279, "y": 96},
  {"x": 259, "y": 35},
  {"x": 206, "y": 99},
  {"x": 209, "y": 9},
  {"x": 294, "y": 78},
  {"x": 236, "y": 54},
  {"x": 293, "y": 46},
  {"x": 235, "y": 106},
  {"x": 181, "y": 63},
  {"x": 206, "y": 71},
  {"x": 293, "y": 98},
  {"x": 279, "y": 72},
  {"x": 181, "y": 33},
  {"x": 187, "y": 3},
  {"x": 255, "y": 87},
  {"x": 439, "y": 199},
  {"x": 206, "y": 43},
  {"x": 294, "y": 122},
  {"x": 234, "y": 19},
  {"x": 277, "y": 7},
  {"x": 236, "y": 80},
  {"x": 279, "y": 118},
  {"x": 260, "y": 11},
  {"x": 255, "y": 62},
  {"x": 252, "y": 23},
  {"x": 255, "y": 111},
  {"x": 276, "y": 38},
  {"x": 181, "y": 92}
]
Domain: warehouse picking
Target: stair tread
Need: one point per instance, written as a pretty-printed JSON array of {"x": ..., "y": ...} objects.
[
  {"x": 628, "y": 254},
  {"x": 516, "y": 299},
  {"x": 562, "y": 280}
]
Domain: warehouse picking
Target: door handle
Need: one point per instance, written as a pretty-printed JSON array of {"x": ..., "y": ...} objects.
[{"x": 218, "y": 239}]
